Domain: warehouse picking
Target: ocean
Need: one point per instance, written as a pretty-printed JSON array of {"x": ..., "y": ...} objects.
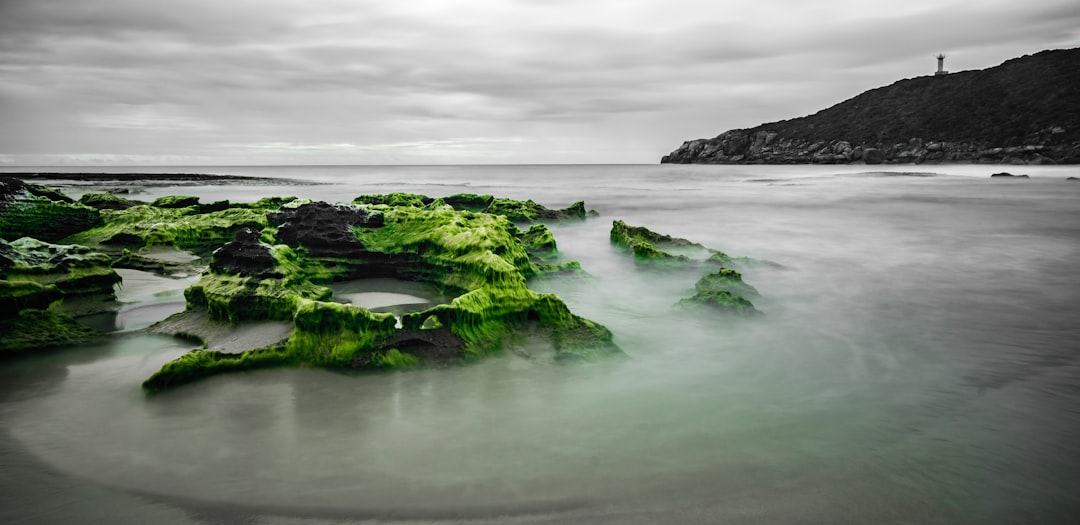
[{"x": 917, "y": 361}]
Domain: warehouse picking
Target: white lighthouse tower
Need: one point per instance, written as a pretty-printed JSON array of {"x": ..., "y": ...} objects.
[{"x": 941, "y": 65}]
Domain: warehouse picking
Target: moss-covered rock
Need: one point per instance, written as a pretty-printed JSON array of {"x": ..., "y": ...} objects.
[
  {"x": 107, "y": 201},
  {"x": 725, "y": 279},
  {"x": 479, "y": 258},
  {"x": 183, "y": 228},
  {"x": 723, "y": 289},
  {"x": 34, "y": 329},
  {"x": 175, "y": 201},
  {"x": 29, "y": 211},
  {"x": 73, "y": 270},
  {"x": 649, "y": 247},
  {"x": 722, "y": 300},
  {"x": 517, "y": 211}
]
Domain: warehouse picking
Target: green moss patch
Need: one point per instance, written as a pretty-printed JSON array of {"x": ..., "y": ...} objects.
[{"x": 33, "y": 329}]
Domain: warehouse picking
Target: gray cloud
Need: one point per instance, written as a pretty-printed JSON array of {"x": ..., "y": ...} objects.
[{"x": 134, "y": 79}]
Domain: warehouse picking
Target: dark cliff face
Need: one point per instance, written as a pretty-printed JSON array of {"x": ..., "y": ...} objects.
[{"x": 1024, "y": 111}]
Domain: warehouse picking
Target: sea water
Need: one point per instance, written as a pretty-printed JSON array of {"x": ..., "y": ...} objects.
[{"x": 918, "y": 361}]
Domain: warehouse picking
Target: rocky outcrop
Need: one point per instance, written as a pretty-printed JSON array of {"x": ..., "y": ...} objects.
[
  {"x": 1007, "y": 175},
  {"x": 483, "y": 260},
  {"x": 27, "y": 210},
  {"x": 722, "y": 290},
  {"x": 325, "y": 229},
  {"x": 36, "y": 276},
  {"x": 1024, "y": 111},
  {"x": 517, "y": 211},
  {"x": 244, "y": 256}
]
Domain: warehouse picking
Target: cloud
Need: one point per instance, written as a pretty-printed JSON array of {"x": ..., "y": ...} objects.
[{"x": 181, "y": 78}]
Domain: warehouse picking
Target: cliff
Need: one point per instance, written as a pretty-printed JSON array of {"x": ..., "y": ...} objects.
[{"x": 1024, "y": 111}]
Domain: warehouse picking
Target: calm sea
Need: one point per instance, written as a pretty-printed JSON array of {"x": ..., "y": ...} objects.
[{"x": 918, "y": 362}]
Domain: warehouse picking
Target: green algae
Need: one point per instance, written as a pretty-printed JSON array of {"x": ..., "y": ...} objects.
[
  {"x": 34, "y": 329},
  {"x": 45, "y": 219},
  {"x": 480, "y": 258},
  {"x": 183, "y": 228},
  {"x": 72, "y": 269},
  {"x": 107, "y": 201},
  {"x": 22, "y": 295},
  {"x": 722, "y": 290},
  {"x": 516, "y": 211},
  {"x": 726, "y": 279},
  {"x": 175, "y": 201},
  {"x": 722, "y": 300}
]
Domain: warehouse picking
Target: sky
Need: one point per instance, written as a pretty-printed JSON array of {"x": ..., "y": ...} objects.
[{"x": 245, "y": 82}]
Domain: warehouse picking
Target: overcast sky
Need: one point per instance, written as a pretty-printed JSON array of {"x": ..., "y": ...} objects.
[{"x": 461, "y": 81}]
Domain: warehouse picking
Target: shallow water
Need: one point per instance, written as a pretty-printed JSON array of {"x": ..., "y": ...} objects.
[{"x": 917, "y": 362}]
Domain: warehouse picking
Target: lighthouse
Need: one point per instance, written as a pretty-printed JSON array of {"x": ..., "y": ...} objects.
[{"x": 941, "y": 65}]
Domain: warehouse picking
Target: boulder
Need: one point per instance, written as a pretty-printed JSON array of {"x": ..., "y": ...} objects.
[{"x": 873, "y": 156}]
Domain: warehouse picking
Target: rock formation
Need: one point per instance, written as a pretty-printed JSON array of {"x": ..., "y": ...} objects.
[{"x": 1024, "y": 111}]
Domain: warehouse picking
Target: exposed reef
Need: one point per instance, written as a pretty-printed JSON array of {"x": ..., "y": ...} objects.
[
  {"x": 279, "y": 269},
  {"x": 1024, "y": 111},
  {"x": 649, "y": 247},
  {"x": 39, "y": 284},
  {"x": 722, "y": 290},
  {"x": 517, "y": 211},
  {"x": 27, "y": 210}
]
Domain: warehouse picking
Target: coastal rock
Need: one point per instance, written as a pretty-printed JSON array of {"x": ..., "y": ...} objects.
[
  {"x": 1006, "y": 175},
  {"x": 28, "y": 211},
  {"x": 35, "y": 277},
  {"x": 74, "y": 270},
  {"x": 325, "y": 229},
  {"x": 721, "y": 300},
  {"x": 245, "y": 255},
  {"x": 726, "y": 279},
  {"x": 185, "y": 228},
  {"x": 175, "y": 201},
  {"x": 872, "y": 156},
  {"x": 107, "y": 201},
  {"x": 651, "y": 248},
  {"x": 480, "y": 259}
]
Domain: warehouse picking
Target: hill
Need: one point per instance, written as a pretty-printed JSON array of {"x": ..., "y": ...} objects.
[{"x": 1024, "y": 111}]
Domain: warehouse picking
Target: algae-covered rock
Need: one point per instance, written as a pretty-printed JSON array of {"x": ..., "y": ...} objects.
[
  {"x": 722, "y": 300},
  {"x": 175, "y": 201},
  {"x": 34, "y": 277},
  {"x": 107, "y": 201},
  {"x": 515, "y": 210},
  {"x": 31, "y": 211},
  {"x": 184, "y": 228},
  {"x": 727, "y": 280},
  {"x": 74, "y": 270},
  {"x": 478, "y": 258},
  {"x": 649, "y": 247},
  {"x": 33, "y": 329},
  {"x": 722, "y": 290}
]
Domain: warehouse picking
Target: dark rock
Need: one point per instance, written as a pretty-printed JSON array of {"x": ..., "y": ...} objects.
[
  {"x": 873, "y": 156},
  {"x": 214, "y": 206},
  {"x": 1073, "y": 178},
  {"x": 325, "y": 229},
  {"x": 245, "y": 256},
  {"x": 1008, "y": 175}
]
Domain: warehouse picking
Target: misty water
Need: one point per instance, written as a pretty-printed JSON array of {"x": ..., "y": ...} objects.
[{"x": 918, "y": 361}]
